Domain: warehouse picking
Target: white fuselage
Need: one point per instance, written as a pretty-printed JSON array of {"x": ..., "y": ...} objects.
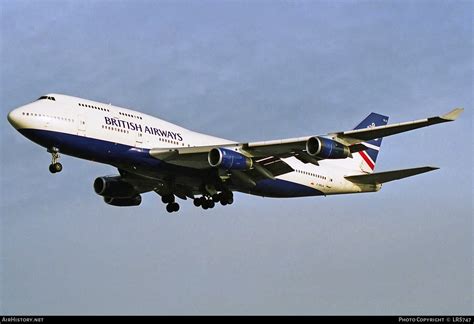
[{"x": 86, "y": 119}]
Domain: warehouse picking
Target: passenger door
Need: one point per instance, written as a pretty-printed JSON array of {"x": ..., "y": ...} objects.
[{"x": 138, "y": 139}]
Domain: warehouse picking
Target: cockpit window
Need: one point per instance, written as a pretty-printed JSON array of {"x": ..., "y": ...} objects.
[{"x": 46, "y": 97}]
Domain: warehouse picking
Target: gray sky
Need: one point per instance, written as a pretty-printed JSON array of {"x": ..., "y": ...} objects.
[{"x": 243, "y": 71}]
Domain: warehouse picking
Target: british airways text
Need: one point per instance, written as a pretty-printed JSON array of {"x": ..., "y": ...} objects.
[{"x": 137, "y": 127}]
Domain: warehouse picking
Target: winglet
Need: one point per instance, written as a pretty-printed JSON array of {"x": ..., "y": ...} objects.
[{"x": 453, "y": 114}]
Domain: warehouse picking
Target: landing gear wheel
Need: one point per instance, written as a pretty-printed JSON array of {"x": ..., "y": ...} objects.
[
  {"x": 167, "y": 199},
  {"x": 172, "y": 207},
  {"x": 227, "y": 198},
  {"x": 216, "y": 197},
  {"x": 207, "y": 203},
  {"x": 58, "y": 167},
  {"x": 197, "y": 202},
  {"x": 55, "y": 167},
  {"x": 175, "y": 206}
]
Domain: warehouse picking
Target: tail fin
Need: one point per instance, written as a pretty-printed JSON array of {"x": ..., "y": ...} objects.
[{"x": 364, "y": 161}]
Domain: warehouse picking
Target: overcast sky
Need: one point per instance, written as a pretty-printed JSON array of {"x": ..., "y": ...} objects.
[{"x": 244, "y": 71}]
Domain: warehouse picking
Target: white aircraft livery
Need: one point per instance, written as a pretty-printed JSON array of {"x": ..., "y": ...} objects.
[{"x": 154, "y": 155}]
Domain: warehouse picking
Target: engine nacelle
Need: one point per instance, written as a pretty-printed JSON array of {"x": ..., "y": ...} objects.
[
  {"x": 228, "y": 159},
  {"x": 124, "y": 202},
  {"x": 326, "y": 148},
  {"x": 113, "y": 187}
]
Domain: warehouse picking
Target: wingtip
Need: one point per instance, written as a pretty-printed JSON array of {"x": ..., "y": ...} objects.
[{"x": 453, "y": 114}]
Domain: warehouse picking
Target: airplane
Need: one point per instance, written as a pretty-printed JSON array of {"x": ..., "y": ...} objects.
[{"x": 154, "y": 155}]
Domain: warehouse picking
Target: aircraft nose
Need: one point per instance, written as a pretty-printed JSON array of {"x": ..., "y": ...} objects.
[{"x": 14, "y": 118}]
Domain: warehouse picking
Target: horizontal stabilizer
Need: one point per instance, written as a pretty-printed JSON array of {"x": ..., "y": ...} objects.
[{"x": 382, "y": 177}]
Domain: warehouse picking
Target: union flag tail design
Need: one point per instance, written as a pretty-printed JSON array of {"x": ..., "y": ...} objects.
[{"x": 368, "y": 158}]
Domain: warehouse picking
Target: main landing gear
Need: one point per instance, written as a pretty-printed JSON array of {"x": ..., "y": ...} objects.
[
  {"x": 207, "y": 202},
  {"x": 55, "y": 166},
  {"x": 171, "y": 206}
]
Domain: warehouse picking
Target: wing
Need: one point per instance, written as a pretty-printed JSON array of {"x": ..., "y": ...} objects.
[
  {"x": 197, "y": 157},
  {"x": 362, "y": 135},
  {"x": 142, "y": 184}
]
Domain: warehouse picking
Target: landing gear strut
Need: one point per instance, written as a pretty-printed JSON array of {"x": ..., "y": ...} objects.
[{"x": 55, "y": 166}]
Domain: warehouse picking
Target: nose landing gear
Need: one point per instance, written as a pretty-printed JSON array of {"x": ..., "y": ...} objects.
[{"x": 55, "y": 166}]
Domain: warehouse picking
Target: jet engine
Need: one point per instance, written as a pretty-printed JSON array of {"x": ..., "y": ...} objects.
[
  {"x": 113, "y": 187},
  {"x": 228, "y": 159},
  {"x": 326, "y": 148},
  {"x": 124, "y": 202}
]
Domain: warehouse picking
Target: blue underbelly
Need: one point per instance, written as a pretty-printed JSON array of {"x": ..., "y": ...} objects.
[
  {"x": 124, "y": 155},
  {"x": 283, "y": 189}
]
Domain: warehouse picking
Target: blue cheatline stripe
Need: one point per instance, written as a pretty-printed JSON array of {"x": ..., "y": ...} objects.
[
  {"x": 118, "y": 154},
  {"x": 91, "y": 148}
]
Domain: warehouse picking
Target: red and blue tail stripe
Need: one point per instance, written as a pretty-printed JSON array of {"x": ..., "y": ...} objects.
[{"x": 370, "y": 155}]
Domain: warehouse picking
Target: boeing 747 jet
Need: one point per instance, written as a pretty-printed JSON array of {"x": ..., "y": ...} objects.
[{"x": 151, "y": 154}]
